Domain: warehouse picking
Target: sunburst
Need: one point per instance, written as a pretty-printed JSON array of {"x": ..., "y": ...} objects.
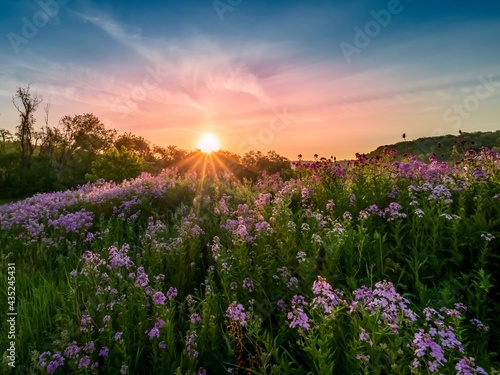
[{"x": 208, "y": 144}]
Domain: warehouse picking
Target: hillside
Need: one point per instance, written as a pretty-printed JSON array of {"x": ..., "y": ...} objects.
[{"x": 444, "y": 146}]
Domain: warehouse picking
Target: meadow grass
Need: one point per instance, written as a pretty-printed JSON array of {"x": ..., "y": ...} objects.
[{"x": 381, "y": 267}]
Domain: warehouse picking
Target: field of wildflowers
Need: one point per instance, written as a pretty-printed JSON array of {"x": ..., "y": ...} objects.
[{"x": 381, "y": 267}]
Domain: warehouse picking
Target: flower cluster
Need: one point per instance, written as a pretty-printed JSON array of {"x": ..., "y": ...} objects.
[
  {"x": 297, "y": 316},
  {"x": 326, "y": 298},
  {"x": 50, "y": 362},
  {"x": 155, "y": 331},
  {"x": 466, "y": 366},
  {"x": 235, "y": 312},
  {"x": 191, "y": 344},
  {"x": 385, "y": 300},
  {"x": 424, "y": 344}
]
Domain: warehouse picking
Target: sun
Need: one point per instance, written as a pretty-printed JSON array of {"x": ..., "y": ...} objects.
[{"x": 208, "y": 144}]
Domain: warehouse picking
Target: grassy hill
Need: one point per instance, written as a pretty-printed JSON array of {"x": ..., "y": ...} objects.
[{"x": 446, "y": 147}]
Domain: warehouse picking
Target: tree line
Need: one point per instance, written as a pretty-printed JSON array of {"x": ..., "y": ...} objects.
[{"x": 81, "y": 149}]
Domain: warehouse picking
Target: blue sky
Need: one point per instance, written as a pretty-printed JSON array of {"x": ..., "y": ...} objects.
[{"x": 267, "y": 75}]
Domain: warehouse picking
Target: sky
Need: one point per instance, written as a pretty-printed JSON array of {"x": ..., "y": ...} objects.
[{"x": 327, "y": 77}]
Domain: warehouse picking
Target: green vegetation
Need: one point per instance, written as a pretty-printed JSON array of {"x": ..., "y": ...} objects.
[{"x": 382, "y": 267}]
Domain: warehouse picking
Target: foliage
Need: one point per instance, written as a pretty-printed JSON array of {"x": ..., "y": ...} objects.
[
  {"x": 116, "y": 165},
  {"x": 78, "y": 142},
  {"x": 272, "y": 162}
]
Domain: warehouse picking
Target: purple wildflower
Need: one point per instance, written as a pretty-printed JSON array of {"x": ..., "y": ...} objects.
[
  {"x": 172, "y": 293},
  {"x": 84, "y": 362},
  {"x": 384, "y": 299},
  {"x": 330, "y": 205},
  {"x": 479, "y": 325},
  {"x": 155, "y": 332},
  {"x": 194, "y": 318},
  {"x": 159, "y": 298},
  {"x": 85, "y": 322},
  {"x": 392, "y": 212},
  {"x": 57, "y": 361},
  {"x": 466, "y": 367},
  {"x": 191, "y": 344},
  {"x": 104, "y": 351},
  {"x": 440, "y": 193},
  {"x": 248, "y": 284},
  {"x": 326, "y": 298},
  {"x": 89, "y": 347},
  {"x": 487, "y": 237},
  {"x": 72, "y": 350},
  {"x": 363, "y": 335},
  {"x": 281, "y": 304},
  {"x": 363, "y": 358},
  {"x": 119, "y": 258},
  {"x": 236, "y": 313},
  {"x": 297, "y": 316},
  {"x": 423, "y": 343},
  {"x": 142, "y": 277}
]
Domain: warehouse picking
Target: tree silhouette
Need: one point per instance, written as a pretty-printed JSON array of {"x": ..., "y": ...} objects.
[{"x": 26, "y": 104}]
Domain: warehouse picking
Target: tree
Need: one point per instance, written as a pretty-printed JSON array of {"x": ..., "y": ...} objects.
[
  {"x": 9, "y": 163},
  {"x": 168, "y": 157},
  {"x": 272, "y": 162},
  {"x": 116, "y": 165},
  {"x": 135, "y": 143},
  {"x": 26, "y": 104},
  {"x": 275, "y": 163},
  {"x": 6, "y": 136},
  {"x": 79, "y": 141},
  {"x": 47, "y": 136}
]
